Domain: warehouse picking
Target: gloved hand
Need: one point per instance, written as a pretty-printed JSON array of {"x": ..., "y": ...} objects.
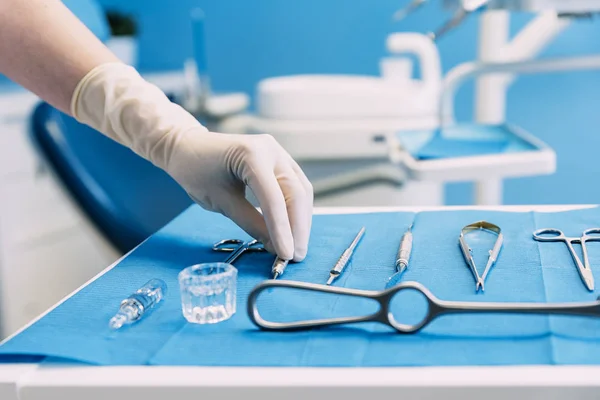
[{"x": 214, "y": 168}]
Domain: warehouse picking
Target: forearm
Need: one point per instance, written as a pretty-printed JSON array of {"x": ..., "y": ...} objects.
[{"x": 46, "y": 49}]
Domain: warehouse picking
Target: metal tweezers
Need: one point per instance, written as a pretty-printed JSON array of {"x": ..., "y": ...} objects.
[
  {"x": 468, "y": 252},
  {"x": 385, "y": 314}
]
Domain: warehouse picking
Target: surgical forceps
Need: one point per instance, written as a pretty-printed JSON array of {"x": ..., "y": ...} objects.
[
  {"x": 385, "y": 315},
  {"x": 237, "y": 247},
  {"x": 556, "y": 235},
  {"x": 240, "y": 247}
]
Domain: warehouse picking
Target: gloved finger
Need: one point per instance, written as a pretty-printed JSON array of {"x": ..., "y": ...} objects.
[
  {"x": 266, "y": 188},
  {"x": 237, "y": 208},
  {"x": 306, "y": 183},
  {"x": 296, "y": 201},
  {"x": 309, "y": 195}
]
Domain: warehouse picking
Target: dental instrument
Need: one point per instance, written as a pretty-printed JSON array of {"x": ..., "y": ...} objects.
[
  {"x": 556, "y": 235},
  {"x": 413, "y": 6},
  {"x": 341, "y": 263},
  {"x": 403, "y": 257},
  {"x": 134, "y": 307},
  {"x": 238, "y": 248},
  {"x": 279, "y": 266},
  {"x": 208, "y": 292},
  {"x": 468, "y": 252},
  {"x": 390, "y": 315},
  {"x": 404, "y": 251}
]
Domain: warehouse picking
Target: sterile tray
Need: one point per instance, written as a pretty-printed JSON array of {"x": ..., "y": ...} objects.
[{"x": 523, "y": 154}]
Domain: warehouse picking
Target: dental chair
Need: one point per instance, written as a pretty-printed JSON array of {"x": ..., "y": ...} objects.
[{"x": 124, "y": 196}]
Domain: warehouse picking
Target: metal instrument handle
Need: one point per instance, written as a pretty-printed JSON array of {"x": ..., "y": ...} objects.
[
  {"x": 221, "y": 246},
  {"x": 256, "y": 318},
  {"x": 591, "y": 235},
  {"x": 347, "y": 254},
  {"x": 341, "y": 262},
  {"x": 466, "y": 250},
  {"x": 436, "y": 307},
  {"x": 590, "y": 309},
  {"x": 403, "y": 256},
  {"x": 558, "y": 235},
  {"x": 493, "y": 256},
  {"x": 584, "y": 270}
]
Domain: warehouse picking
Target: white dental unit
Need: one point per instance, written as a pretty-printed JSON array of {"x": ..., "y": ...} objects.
[{"x": 342, "y": 128}]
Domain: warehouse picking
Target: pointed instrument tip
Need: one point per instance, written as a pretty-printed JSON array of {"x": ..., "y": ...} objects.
[
  {"x": 589, "y": 282},
  {"x": 479, "y": 286},
  {"x": 275, "y": 275},
  {"x": 330, "y": 280}
]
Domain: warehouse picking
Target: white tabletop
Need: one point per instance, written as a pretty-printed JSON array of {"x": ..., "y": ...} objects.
[{"x": 71, "y": 382}]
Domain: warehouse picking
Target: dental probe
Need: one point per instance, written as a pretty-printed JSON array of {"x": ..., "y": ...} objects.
[{"x": 339, "y": 266}]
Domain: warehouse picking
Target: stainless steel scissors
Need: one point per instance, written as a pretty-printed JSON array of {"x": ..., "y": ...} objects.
[
  {"x": 387, "y": 316},
  {"x": 556, "y": 235},
  {"x": 237, "y": 247}
]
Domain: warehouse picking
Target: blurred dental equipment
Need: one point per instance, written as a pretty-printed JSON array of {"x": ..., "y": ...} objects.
[
  {"x": 199, "y": 98},
  {"x": 413, "y": 6},
  {"x": 463, "y": 8},
  {"x": 560, "y": 6},
  {"x": 138, "y": 304},
  {"x": 467, "y": 7}
]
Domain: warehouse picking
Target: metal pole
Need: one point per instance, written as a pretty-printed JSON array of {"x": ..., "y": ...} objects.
[{"x": 490, "y": 91}]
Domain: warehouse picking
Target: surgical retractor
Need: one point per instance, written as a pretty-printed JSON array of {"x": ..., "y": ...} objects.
[
  {"x": 134, "y": 307},
  {"x": 339, "y": 266}
]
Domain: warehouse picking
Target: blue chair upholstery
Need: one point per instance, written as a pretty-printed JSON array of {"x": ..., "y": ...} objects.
[{"x": 125, "y": 196}]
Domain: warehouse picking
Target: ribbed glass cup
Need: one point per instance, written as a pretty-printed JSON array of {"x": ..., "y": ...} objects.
[{"x": 208, "y": 292}]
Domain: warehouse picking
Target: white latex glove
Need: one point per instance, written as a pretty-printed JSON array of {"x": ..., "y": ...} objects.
[{"x": 214, "y": 168}]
